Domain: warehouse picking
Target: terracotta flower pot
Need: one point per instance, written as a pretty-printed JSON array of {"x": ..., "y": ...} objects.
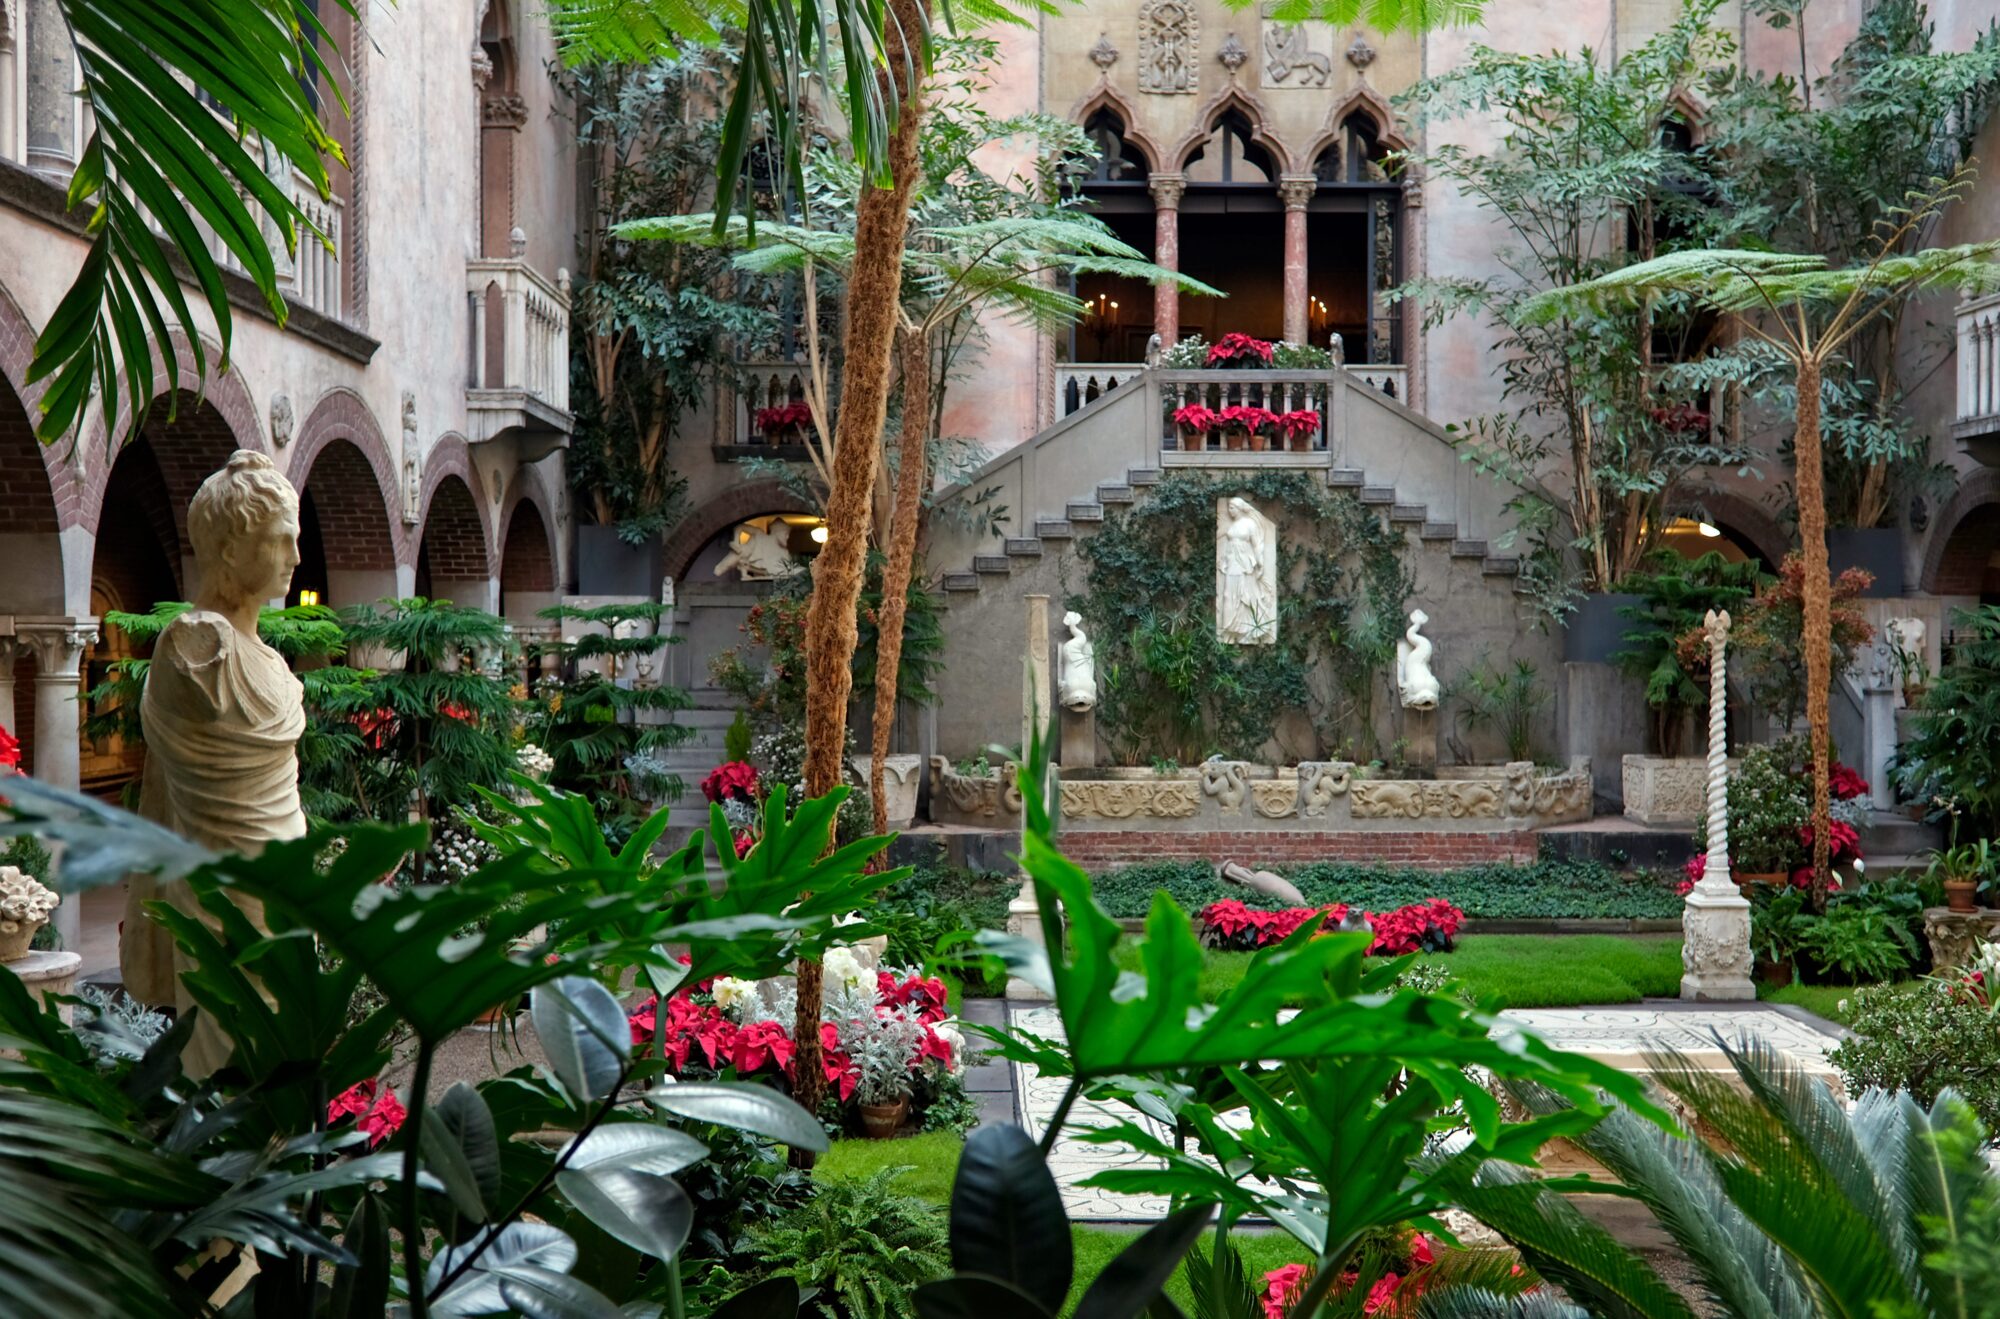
[
  {"x": 1259, "y": 441},
  {"x": 1235, "y": 439},
  {"x": 882, "y": 1121},
  {"x": 1300, "y": 443},
  {"x": 1775, "y": 974},
  {"x": 1193, "y": 439},
  {"x": 1747, "y": 878},
  {"x": 1961, "y": 894}
]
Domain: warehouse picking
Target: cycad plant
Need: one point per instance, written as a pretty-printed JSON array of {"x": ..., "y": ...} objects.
[
  {"x": 1806, "y": 313},
  {"x": 1789, "y": 1206},
  {"x": 607, "y": 724}
]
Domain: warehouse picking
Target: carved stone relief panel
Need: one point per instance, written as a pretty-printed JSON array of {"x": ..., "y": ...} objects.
[
  {"x": 1126, "y": 799},
  {"x": 1169, "y": 44}
]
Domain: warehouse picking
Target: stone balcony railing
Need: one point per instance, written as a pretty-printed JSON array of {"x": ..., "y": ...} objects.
[
  {"x": 1080, "y": 384},
  {"x": 517, "y": 378},
  {"x": 1977, "y": 424}
]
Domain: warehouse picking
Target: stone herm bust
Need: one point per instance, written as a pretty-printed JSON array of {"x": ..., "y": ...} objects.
[{"x": 222, "y": 712}]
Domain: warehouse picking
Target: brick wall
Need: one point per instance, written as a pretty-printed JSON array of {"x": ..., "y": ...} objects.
[
  {"x": 26, "y": 503},
  {"x": 353, "y": 520},
  {"x": 1967, "y": 565},
  {"x": 454, "y": 541},
  {"x": 1095, "y": 849},
  {"x": 525, "y": 562}
]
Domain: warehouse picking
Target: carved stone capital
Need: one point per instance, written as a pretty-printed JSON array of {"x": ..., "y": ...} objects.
[
  {"x": 57, "y": 644},
  {"x": 482, "y": 69},
  {"x": 1296, "y": 190},
  {"x": 1167, "y": 190}
]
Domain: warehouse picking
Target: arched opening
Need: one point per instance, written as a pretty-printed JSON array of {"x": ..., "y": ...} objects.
[
  {"x": 527, "y": 565},
  {"x": 137, "y": 562},
  {"x": 1970, "y": 563},
  {"x": 347, "y": 549},
  {"x": 1119, "y": 319},
  {"x": 1232, "y": 232},
  {"x": 451, "y": 555},
  {"x": 1231, "y": 154},
  {"x": 32, "y": 584},
  {"x": 501, "y": 114},
  {"x": 1354, "y": 244}
]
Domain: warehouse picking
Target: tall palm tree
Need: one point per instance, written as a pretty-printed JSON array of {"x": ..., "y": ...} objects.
[
  {"x": 1807, "y": 313},
  {"x": 1799, "y": 1209}
]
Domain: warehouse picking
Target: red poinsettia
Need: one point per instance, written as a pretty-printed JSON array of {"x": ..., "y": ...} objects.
[
  {"x": 453, "y": 710},
  {"x": 1281, "y": 1287},
  {"x": 1247, "y": 418},
  {"x": 1433, "y": 925},
  {"x": 926, "y": 994},
  {"x": 736, "y": 780},
  {"x": 782, "y": 418},
  {"x": 378, "y": 1113},
  {"x": 840, "y": 1071},
  {"x": 1846, "y": 784},
  {"x": 1198, "y": 417},
  {"x": 10, "y": 750},
  {"x": 1238, "y": 348},
  {"x": 376, "y": 726},
  {"x": 1294, "y": 424}
]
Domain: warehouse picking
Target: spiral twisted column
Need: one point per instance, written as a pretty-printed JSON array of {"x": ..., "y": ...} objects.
[
  {"x": 1715, "y": 923},
  {"x": 1716, "y": 876}
]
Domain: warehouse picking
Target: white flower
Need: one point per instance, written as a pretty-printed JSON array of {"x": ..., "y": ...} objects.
[
  {"x": 731, "y": 993},
  {"x": 841, "y": 964},
  {"x": 949, "y": 1032},
  {"x": 535, "y": 762}
]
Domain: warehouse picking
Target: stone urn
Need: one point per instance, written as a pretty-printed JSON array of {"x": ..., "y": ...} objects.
[{"x": 25, "y": 907}]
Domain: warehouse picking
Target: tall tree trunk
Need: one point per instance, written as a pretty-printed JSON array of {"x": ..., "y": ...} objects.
[
  {"x": 874, "y": 297},
  {"x": 1818, "y": 621},
  {"x": 911, "y": 479}
]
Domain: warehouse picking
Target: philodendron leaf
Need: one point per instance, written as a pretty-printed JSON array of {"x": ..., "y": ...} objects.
[
  {"x": 545, "y": 1294},
  {"x": 1007, "y": 1216},
  {"x": 975, "y": 1297},
  {"x": 477, "y": 1289},
  {"x": 362, "y": 1292},
  {"x": 646, "y": 1211},
  {"x": 636, "y": 1147},
  {"x": 460, "y": 1146},
  {"x": 1131, "y": 1281},
  {"x": 745, "y": 1106},
  {"x": 584, "y": 1033}
]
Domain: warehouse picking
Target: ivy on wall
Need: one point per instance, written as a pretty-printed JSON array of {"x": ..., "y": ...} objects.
[{"x": 1170, "y": 690}]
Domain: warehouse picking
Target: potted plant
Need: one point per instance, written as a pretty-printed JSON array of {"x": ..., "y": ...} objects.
[
  {"x": 783, "y": 424},
  {"x": 1297, "y": 428},
  {"x": 1196, "y": 421},
  {"x": 1244, "y": 427},
  {"x": 884, "y": 1052},
  {"x": 25, "y": 907},
  {"x": 1240, "y": 350},
  {"x": 1778, "y": 921},
  {"x": 1962, "y": 870}
]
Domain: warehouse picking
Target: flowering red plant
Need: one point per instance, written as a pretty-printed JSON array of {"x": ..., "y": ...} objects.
[
  {"x": 1238, "y": 348},
  {"x": 1682, "y": 419},
  {"x": 1293, "y": 424},
  {"x": 10, "y": 750},
  {"x": 1282, "y": 1286},
  {"x": 782, "y": 418},
  {"x": 736, "y": 780},
  {"x": 376, "y": 726},
  {"x": 1845, "y": 783},
  {"x": 453, "y": 710},
  {"x": 379, "y": 1113},
  {"x": 1197, "y": 417},
  {"x": 1249, "y": 418},
  {"x": 1431, "y": 925},
  {"x": 925, "y": 994}
]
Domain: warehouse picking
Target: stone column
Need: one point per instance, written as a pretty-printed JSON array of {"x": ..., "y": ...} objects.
[
  {"x": 1037, "y": 699},
  {"x": 1716, "y": 920},
  {"x": 59, "y": 644},
  {"x": 51, "y": 89},
  {"x": 1296, "y": 190},
  {"x": 9, "y": 717},
  {"x": 1167, "y": 190}
]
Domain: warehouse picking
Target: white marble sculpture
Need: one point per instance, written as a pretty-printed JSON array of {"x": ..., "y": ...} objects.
[
  {"x": 758, "y": 555},
  {"x": 413, "y": 495},
  {"x": 1715, "y": 922},
  {"x": 1076, "y": 683},
  {"x": 1415, "y": 683},
  {"x": 1246, "y": 575},
  {"x": 26, "y": 904},
  {"x": 222, "y": 714},
  {"x": 1906, "y": 644}
]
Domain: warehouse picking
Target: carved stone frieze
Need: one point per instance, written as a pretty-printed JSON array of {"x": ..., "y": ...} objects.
[
  {"x": 1227, "y": 782},
  {"x": 1275, "y": 799},
  {"x": 1955, "y": 936},
  {"x": 1286, "y": 53},
  {"x": 1360, "y": 54},
  {"x": 968, "y": 794},
  {"x": 1129, "y": 799},
  {"x": 1169, "y": 37},
  {"x": 1320, "y": 781},
  {"x": 1417, "y": 799},
  {"x": 503, "y": 110}
]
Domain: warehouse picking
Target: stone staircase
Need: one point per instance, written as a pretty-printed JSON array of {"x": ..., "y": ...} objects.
[
  {"x": 694, "y": 758},
  {"x": 1083, "y": 516}
]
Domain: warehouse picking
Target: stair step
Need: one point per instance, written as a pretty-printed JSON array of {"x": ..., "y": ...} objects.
[
  {"x": 1408, "y": 513},
  {"x": 1086, "y": 512},
  {"x": 1439, "y": 531},
  {"x": 1143, "y": 476},
  {"x": 1114, "y": 493},
  {"x": 1468, "y": 549},
  {"x": 991, "y": 563},
  {"x": 1346, "y": 476},
  {"x": 1053, "y": 529},
  {"x": 1378, "y": 494},
  {"x": 961, "y": 581},
  {"x": 1028, "y": 547},
  {"x": 1500, "y": 566}
]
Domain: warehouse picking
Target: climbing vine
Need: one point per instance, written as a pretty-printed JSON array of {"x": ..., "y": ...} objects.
[{"x": 1171, "y": 691}]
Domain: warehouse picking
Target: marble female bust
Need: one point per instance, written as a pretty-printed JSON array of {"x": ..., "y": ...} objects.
[
  {"x": 1076, "y": 682},
  {"x": 222, "y": 711}
]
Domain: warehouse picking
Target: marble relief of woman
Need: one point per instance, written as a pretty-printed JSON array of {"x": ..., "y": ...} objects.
[
  {"x": 1246, "y": 599},
  {"x": 222, "y": 714}
]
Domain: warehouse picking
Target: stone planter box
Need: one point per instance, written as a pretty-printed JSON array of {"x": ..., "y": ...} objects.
[
  {"x": 1318, "y": 796},
  {"x": 1663, "y": 790}
]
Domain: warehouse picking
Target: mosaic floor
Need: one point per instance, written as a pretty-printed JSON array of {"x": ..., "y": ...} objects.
[{"x": 1621, "y": 1036}]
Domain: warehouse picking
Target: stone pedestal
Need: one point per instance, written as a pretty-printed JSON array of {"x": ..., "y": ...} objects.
[
  {"x": 1955, "y": 936},
  {"x": 48, "y": 973},
  {"x": 1420, "y": 738},
  {"x": 1037, "y": 693},
  {"x": 1079, "y": 739},
  {"x": 1659, "y": 790},
  {"x": 1024, "y": 918},
  {"x": 1716, "y": 954}
]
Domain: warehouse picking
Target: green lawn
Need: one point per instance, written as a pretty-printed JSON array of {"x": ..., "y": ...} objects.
[
  {"x": 1095, "y": 1247},
  {"x": 1523, "y": 970}
]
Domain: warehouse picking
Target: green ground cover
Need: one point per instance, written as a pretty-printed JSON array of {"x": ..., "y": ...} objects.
[
  {"x": 1521, "y": 970},
  {"x": 1565, "y": 889}
]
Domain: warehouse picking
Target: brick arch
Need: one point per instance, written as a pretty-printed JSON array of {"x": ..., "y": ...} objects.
[
  {"x": 1964, "y": 537},
  {"x": 29, "y": 507},
  {"x": 1749, "y": 520},
  {"x": 189, "y": 441},
  {"x": 527, "y": 552},
  {"x": 1229, "y": 98},
  {"x": 1334, "y": 128},
  {"x": 462, "y": 525},
  {"x": 528, "y": 488},
  {"x": 704, "y": 524},
  {"x": 357, "y": 495},
  {"x": 1107, "y": 97}
]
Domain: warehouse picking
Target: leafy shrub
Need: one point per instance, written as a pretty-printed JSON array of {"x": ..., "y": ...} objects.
[
  {"x": 1924, "y": 1038},
  {"x": 1859, "y": 943},
  {"x": 937, "y": 902},
  {"x": 862, "y": 1247},
  {"x": 1567, "y": 889},
  {"x": 1952, "y": 764}
]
